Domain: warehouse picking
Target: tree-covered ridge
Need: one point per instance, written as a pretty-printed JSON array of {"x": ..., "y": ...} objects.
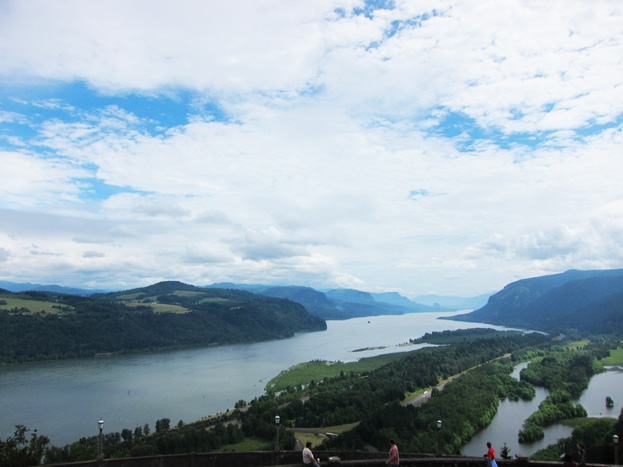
[
  {"x": 460, "y": 335},
  {"x": 582, "y": 302},
  {"x": 131, "y": 321}
]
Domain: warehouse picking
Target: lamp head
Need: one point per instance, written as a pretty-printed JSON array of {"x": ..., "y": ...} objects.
[
  {"x": 439, "y": 424},
  {"x": 277, "y": 419},
  {"x": 101, "y": 424},
  {"x": 615, "y": 438}
]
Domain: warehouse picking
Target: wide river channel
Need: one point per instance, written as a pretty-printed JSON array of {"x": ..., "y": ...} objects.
[{"x": 64, "y": 399}]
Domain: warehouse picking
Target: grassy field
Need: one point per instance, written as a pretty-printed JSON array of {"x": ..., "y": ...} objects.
[
  {"x": 303, "y": 373},
  {"x": 35, "y": 306},
  {"x": 615, "y": 357},
  {"x": 161, "y": 307},
  {"x": 130, "y": 296},
  {"x": 314, "y": 438},
  {"x": 577, "y": 344},
  {"x": 187, "y": 293},
  {"x": 249, "y": 444}
]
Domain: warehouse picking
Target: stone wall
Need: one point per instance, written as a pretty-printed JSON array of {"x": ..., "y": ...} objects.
[{"x": 293, "y": 459}]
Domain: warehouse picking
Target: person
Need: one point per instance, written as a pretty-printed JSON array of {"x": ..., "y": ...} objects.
[
  {"x": 567, "y": 461},
  {"x": 490, "y": 455},
  {"x": 308, "y": 457},
  {"x": 393, "y": 458},
  {"x": 581, "y": 455}
]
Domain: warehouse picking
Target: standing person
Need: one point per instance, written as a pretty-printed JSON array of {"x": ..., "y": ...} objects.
[
  {"x": 490, "y": 455},
  {"x": 308, "y": 457},
  {"x": 581, "y": 455},
  {"x": 393, "y": 460}
]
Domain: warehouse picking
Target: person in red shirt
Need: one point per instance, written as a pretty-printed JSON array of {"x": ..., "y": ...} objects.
[
  {"x": 393, "y": 460},
  {"x": 490, "y": 455}
]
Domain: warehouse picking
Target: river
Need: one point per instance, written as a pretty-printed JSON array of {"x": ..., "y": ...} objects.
[
  {"x": 64, "y": 399},
  {"x": 511, "y": 415}
]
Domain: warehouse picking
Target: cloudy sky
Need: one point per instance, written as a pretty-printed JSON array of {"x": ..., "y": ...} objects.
[{"x": 446, "y": 146}]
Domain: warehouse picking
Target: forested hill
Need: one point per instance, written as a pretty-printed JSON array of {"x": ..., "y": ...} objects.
[
  {"x": 46, "y": 325},
  {"x": 589, "y": 302}
]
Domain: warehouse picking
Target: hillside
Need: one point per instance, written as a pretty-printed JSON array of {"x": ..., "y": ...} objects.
[
  {"x": 589, "y": 302},
  {"x": 46, "y": 325}
]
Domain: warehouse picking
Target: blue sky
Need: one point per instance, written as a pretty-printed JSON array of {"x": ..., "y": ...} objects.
[{"x": 445, "y": 147}]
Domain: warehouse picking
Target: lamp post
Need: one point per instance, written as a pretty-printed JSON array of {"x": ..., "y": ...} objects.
[
  {"x": 439, "y": 437},
  {"x": 100, "y": 448},
  {"x": 277, "y": 433},
  {"x": 615, "y": 438}
]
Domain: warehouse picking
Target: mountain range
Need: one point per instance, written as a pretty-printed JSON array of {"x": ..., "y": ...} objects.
[
  {"x": 326, "y": 304},
  {"x": 340, "y": 303},
  {"x": 584, "y": 301}
]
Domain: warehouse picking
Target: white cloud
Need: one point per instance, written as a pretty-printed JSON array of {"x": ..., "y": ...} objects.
[
  {"x": 435, "y": 147},
  {"x": 4, "y": 254}
]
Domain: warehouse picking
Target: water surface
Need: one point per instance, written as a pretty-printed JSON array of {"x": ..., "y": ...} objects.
[
  {"x": 64, "y": 399},
  {"x": 509, "y": 419}
]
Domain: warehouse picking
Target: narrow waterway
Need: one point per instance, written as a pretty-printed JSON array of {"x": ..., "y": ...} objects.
[{"x": 510, "y": 416}]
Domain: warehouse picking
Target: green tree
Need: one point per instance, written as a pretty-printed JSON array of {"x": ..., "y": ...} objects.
[
  {"x": 162, "y": 425},
  {"x": 18, "y": 451}
]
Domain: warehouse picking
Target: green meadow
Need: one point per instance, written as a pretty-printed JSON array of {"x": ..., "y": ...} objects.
[{"x": 317, "y": 370}]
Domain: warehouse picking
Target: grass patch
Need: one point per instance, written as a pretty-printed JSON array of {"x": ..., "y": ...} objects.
[
  {"x": 315, "y": 438},
  {"x": 339, "y": 429},
  {"x": 249, "y": 444},
  {"x": 615, "y": 357},
  {"x": 130, "y": 296},
  {"x": 304, "y": 373},
  {"x": 219, "y": 300},
  {"x": 161, "y": 307},
  {"x": 576, "y": 345},
  {"x": 34, "y": 306},
  {"x": 579, "y": 422},
  {"x": 187, "y": 293}
]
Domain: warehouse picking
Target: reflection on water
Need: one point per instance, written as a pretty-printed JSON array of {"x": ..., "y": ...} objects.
[{"x": 511, "y": 415}]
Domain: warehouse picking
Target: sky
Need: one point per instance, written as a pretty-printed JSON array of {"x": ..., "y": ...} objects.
[{"x": 447, "y": 146}]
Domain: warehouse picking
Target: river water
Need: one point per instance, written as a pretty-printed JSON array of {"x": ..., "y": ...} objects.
[
  {"x": 64, "y": 399},
  {"x": 511, "y": 415}
]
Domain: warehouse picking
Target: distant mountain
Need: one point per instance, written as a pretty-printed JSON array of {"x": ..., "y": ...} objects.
[
  {"x": 22, "y": 287},
  {"x": 351, "y": 296},
  {"x": 589, "y": 302},
  {"x": 395, "y": 299},
  {"x": 337, "y": 303},
  {"x": 455, "y": 303}
]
